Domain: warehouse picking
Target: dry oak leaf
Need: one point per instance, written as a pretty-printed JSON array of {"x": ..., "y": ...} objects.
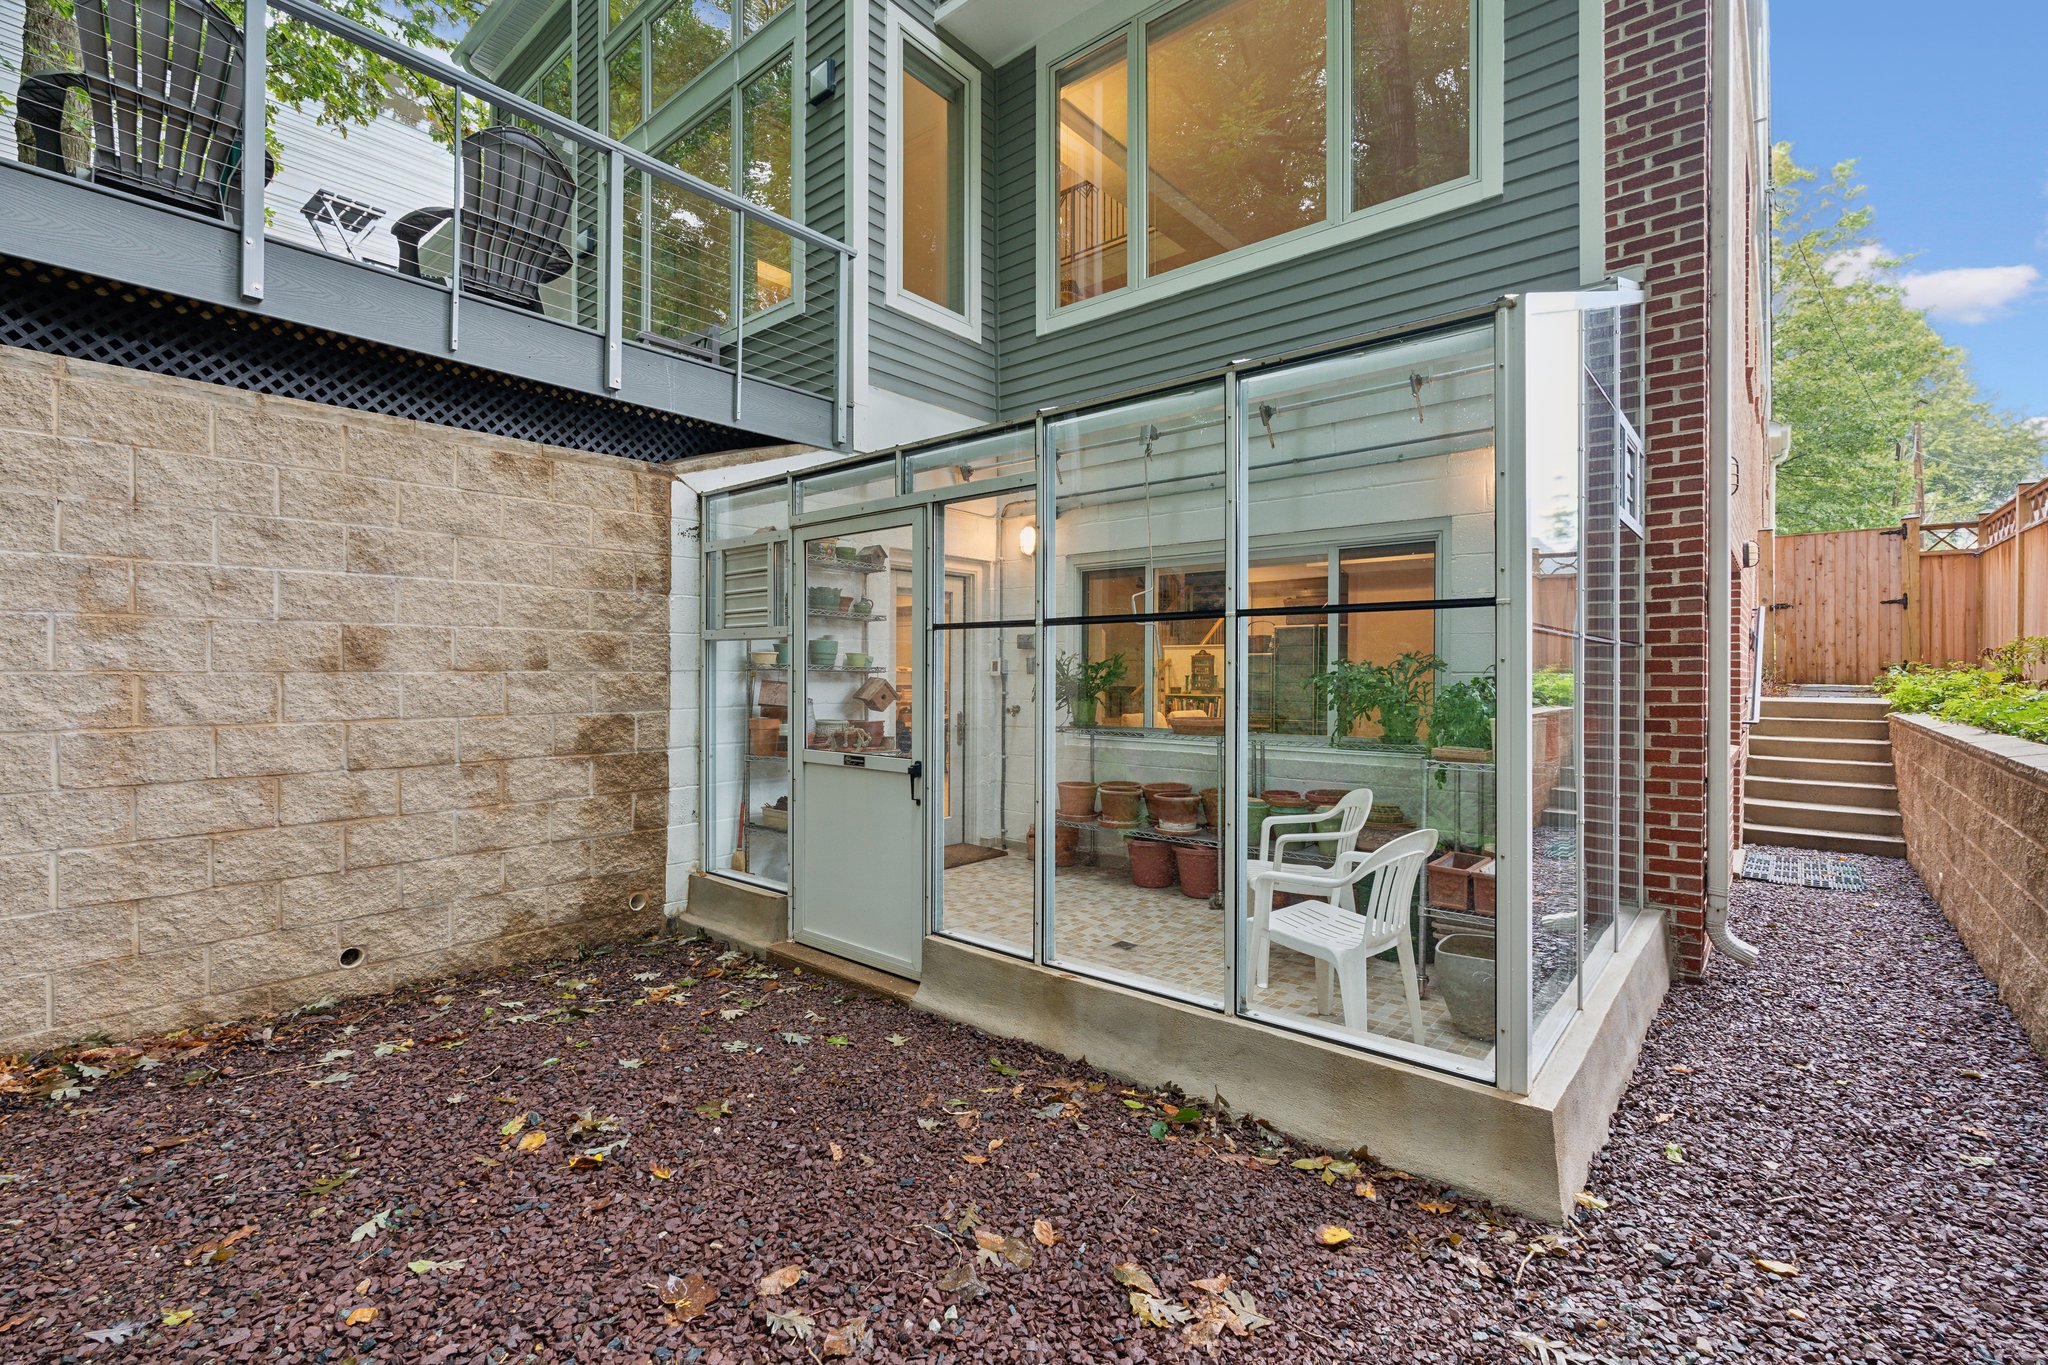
[
  {"x": 533, "y": 1141},
  {"x": 962, "y": 1280},
  {"x": 1436, "y": 1206},
  {"x": 848, "y": 1338},
  {"x": 1042, "y": 1233},
  {"x": 1132, "y": 1276},
  {"x": 779, "y": 1281},
  {"x": 1331, "y": 1235},
  {"x": 1154, "y": 1311},
  {"x": 1215, "y": 1284},
  {"x": 685, "y": 1296}
]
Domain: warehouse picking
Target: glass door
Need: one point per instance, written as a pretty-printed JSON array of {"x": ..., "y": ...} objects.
[{"x": 862, "y": 779}]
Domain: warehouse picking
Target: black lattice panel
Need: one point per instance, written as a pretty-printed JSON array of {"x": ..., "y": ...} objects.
[{"x": 84, "y": 318}]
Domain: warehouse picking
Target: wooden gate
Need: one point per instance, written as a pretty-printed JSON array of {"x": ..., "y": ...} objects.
[{"x": 1837, "y": 608}]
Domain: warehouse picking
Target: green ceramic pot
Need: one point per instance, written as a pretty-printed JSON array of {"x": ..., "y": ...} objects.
[{"x": 824, "y": 653}]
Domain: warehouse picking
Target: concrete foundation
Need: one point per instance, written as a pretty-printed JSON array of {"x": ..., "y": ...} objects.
[
  {"x": 748, "y": 918},
  {"x": 1528, "y": 1153}
]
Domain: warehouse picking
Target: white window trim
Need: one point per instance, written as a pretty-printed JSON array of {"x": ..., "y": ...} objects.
[
  {"x": 1343, "y": 225},
  {"x": 967, "y": 324}
]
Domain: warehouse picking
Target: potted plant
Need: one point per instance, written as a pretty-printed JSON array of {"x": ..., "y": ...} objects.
[
  {"x": 1080, "y": 685},
  {"x": 1461, "y": 721},
  {"x": 1394, "y": 695}
]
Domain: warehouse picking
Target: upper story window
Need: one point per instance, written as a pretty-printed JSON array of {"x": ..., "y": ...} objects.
[
  {"x": 1210, "y": 128},
  {"x": 653, "y": 50},
  {"x": 934, "y": 160}
]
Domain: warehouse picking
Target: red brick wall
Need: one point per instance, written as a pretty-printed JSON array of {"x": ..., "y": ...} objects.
[{"x": 1659, "y": 226}]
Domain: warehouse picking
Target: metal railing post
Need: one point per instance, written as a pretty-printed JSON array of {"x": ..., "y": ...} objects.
[
  {"x": 615, "y": 271},
  {"x": 842, "y": 412},
  {"x": 739, "y": 313},
  {"x": 455, "y": 236},
  {"x": 255, "y": 140}
]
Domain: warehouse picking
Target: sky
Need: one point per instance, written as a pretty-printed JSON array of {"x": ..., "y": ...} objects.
[{"x": 1945, "y": 110}]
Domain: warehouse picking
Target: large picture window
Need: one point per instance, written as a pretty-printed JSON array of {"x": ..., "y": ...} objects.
[
  {"x": 1266, "y": 125},
  {"x": 653, "y": 51}
]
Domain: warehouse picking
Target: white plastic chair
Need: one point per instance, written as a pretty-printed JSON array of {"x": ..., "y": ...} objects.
[
  {"x": 1351, "y": 813},
  {"x": 1343, "y": 940}
]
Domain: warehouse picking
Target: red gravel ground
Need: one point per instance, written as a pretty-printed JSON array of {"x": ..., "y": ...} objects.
[{"x": 1858, "y": 1110}]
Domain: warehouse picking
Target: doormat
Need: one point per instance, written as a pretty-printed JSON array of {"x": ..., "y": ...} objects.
[
  {"x": 960, "y": 855},
  {"x": 1799, "y": 867}
]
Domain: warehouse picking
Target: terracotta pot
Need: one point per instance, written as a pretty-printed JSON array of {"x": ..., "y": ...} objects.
[
  {"x": 1200, "y": 871},
  {"x": 1325, "y": 796},
  {"x": 1151, "y": 864},
  {"x": 1120, "y": 804},
  {"x": 762, "y": 732},
  {"x": 1212, "y": 806},
  {"x": 1166, "y": 789},
  {"x": 1077, "y": 800},
  {"x": 1176, "y": 812},
  {"x": 1455, "y": 879},
  {"x": 1066, "y": 845}
]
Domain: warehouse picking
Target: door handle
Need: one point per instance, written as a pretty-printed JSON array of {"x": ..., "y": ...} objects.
[{"x": 916, "y": 774}]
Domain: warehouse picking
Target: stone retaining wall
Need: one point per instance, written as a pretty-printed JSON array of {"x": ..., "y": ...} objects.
[
  {"x": 284, "y": 687},
  {"x": 1976, "y": 814}
]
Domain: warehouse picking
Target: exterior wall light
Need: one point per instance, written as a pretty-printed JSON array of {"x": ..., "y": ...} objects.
[{"x": 1027, "y": 540}]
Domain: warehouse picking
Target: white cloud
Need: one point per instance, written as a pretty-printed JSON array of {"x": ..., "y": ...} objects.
[
  {"x": 1973, "y": 294},
  {"x": 1859, "y": 263}
]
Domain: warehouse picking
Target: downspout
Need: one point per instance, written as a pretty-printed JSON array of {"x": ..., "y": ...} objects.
[{"x": 1722, "y": 145}]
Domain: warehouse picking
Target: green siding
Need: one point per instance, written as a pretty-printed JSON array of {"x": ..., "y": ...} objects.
[{"x": 1526, "y": 239}]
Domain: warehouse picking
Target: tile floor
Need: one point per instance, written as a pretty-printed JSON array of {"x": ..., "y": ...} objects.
[{"x": 1104, "y": 922}]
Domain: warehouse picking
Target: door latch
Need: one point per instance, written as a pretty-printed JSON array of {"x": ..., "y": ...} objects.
[
  {"x": 916, "y": 775},
  {"x": 1898, "y": 601}
]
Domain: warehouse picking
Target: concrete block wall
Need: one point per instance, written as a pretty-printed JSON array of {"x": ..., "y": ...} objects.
[
  {"x": 283, "y": 685},
  {"x": 1976, "y": 812}
]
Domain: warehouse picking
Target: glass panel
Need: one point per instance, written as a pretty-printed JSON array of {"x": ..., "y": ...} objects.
[
  {"x": 747, "y": 735},
  {"x": 689, "y": 289},
  {"x": 858, "y": 642},
  {"x": 1092, "y": 97},
  {"x": 759, "y": 12},
  {"x": 555, "y": 91},
  {"x": 847, "y": 487},
  {"x": 1235, "y": 126},
  {"x": 985, "y": 457},
  {"x": 932, "y": 187},
  {"x": 1137, "y": 872},
  {"x": 989, "y": 766},
  {"x": 990, "y": 573},
  {"x": 621, "y": 9},
  {"x": 1411, "y": 96},
  {"x": 747, "y": 511},
  {"x": 766, "y": 171},
  {"x": 1299, "y": 785},
  {"x": 628, "y": 103},
  {"x": 685, "y": 39}
]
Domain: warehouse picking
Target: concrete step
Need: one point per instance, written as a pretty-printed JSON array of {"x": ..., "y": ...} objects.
[
  {"x": 1823, "y": 815},
  {"x": 1822, "y": 727},
  {"x": 1826, "y": 841},
  {"x": 1797, "y": 790},
  {"x": 1808, "y": 746},
  {"x": 1821, "y": 770},
  {"x": 1828, "y": 708},
  {"x": 858, "y": 974}
]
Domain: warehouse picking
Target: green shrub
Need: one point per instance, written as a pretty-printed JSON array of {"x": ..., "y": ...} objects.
[
  {"x": 1551, "y": 687},
  {"x": 1981, "y": 697}
]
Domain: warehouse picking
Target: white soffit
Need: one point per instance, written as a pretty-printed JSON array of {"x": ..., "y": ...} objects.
[{"x": 999, "y": 30}]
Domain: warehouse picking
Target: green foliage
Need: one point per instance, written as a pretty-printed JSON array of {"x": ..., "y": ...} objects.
[
  {"x": 1462, "y": 715},
  {"x": 1551, "y": 687},
  {"x": 2013, "y": 659},
  {"x": 1395, "y": 695},
  {"x": 1854, "y": 367},
  {"x": 1981, "y": 697},
  {"x": 1080, "y": 684}
]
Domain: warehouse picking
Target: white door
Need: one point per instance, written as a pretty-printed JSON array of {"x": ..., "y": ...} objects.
[{"x": 862, "y": 854}]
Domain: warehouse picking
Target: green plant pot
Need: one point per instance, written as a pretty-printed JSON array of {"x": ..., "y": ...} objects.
[
  {"x": 1084, "y": 711},
  {"x": 824, "y": 653}
]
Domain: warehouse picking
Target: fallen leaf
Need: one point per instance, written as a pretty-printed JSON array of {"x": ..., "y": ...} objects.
[
  {"x": 1132, "y": 1276},
  {"x": 1042, "y": 1232},
  {"x": 895, "y": 1040},
  {"x": 377, "y": 1222},
  {"x": 1003, "y": 1068},
  {"x": 795, "y": 1323},
  {"x": 974, "y": 1158},
  {"x": 962, "y": 1280},
  {"x": 660, "y": 1172},
  {"x": 533, "y": 1141},
  {"x": 848, "y": 1338},
  {"x": 714, "y": 1109},
  {"x": 1364, "y": 1190},
  {"x": 685, "y": 1296},
  {"x": 1215, "y": 1284},
  {"x": 1674, "y": 1154},
  {"x": 838, "y": 1152},
  {"x": 359, "y": 1316},
  {"x": 779, "y": 1281},
  {"x": 1155, "y": 1311},
  {"x": 427, "y": 1267},
  {"x": 1796, "y": 1314},
  {"x": 1436, "y": 1206},
  {"x": 116, "y": 1334},
  {"x": 1331, "y": 1235},
  {"x": 1779, "y": 1268},
  {"x": 1663, "y": 1118},
  {"x": 177, "y": 1317},
  {"x": 586, "y": 1161},
  {"x": 1586, "y": 1199}
]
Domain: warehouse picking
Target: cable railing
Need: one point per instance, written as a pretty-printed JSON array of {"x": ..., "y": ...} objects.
[{"x": 422, "y": 168}]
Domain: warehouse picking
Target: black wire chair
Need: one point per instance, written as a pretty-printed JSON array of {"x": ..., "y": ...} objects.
[
  {"x": 516, "y": 200},
  {"x": 164, "y": 81}
]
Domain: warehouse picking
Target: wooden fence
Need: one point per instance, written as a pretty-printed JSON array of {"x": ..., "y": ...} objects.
[{"x": 1846, "y": 605}]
